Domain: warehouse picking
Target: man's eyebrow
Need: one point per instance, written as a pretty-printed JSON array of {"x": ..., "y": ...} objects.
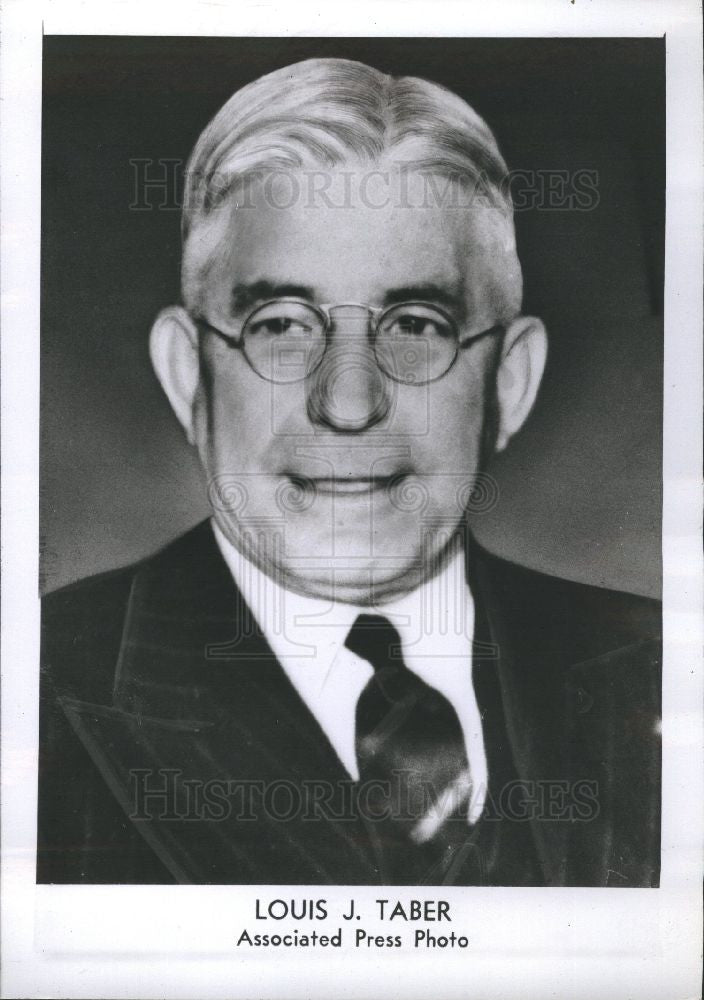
[
  {"x": 244, "y": 296},
  {"x": 426, "y": 292},
  {"x": 247, "y": 295}
]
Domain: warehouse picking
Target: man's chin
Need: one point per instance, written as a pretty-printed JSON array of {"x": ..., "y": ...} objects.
[
  {"x": 363, "y": 585},
  {"x": 348, "y": 561}
]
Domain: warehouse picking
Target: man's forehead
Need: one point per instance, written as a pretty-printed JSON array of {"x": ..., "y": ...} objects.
[
  {"x": 341, "y": 260},
  {"x": 359, "y": 234}
]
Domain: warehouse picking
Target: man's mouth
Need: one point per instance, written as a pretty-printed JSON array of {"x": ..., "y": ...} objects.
[
  {"x": 347, "y": 486},
  {"x": 351, "y": 487}
]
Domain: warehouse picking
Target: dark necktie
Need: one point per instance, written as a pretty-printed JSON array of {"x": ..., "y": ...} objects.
[{"x": 414, "y": 773}]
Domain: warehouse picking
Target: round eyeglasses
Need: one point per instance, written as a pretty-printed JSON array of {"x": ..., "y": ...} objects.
[{"x": 284, "y": 340}]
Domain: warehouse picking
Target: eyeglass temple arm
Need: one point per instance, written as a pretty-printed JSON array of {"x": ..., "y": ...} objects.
[
  {"x": 497, "y": 328},
  {"x": 230, "y": 339}
]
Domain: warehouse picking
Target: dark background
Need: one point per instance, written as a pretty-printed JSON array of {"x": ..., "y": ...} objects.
[{"x": 580, "y": 487}]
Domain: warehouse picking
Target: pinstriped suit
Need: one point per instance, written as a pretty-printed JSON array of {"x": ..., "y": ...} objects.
[{"x": 158, "y": 674}]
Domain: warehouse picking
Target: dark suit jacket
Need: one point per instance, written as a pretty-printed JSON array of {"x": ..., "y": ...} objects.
[{"x": 157, "y": 675}]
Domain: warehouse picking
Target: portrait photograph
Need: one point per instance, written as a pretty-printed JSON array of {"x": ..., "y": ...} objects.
[
  {"x": 352, "y": 504},
  {"x": 366, "y": 603}
]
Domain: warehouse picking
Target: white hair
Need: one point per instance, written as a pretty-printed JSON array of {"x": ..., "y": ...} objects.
[{"x": 329, "y": 112}]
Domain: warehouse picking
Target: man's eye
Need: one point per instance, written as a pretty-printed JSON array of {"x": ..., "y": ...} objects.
[
  {"x": 410, "y": 325},
  {"x": 276, "y": 326}
]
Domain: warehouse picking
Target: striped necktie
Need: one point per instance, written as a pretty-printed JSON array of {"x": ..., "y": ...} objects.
[{"x": 414, "y": 774}]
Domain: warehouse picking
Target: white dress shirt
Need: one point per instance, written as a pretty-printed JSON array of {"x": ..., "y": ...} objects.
[{"x": 307, "y": 635}]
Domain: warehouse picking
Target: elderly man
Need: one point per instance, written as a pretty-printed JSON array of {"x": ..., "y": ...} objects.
[{"x": 329, "y": 681}]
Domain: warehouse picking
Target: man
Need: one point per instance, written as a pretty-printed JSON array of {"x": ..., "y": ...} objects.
[{"x": 330, "y": 682}]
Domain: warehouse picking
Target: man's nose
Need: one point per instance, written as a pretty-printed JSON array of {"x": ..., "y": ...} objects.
[{"x": 348, "y": 391}]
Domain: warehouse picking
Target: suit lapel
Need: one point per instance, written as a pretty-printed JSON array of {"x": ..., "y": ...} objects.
[
  {"x": 576, "y": 719},
  {"x": 517, "y": 693},
  {"x": 207, "y": 746},
  {"x": 616, "y": 754}
]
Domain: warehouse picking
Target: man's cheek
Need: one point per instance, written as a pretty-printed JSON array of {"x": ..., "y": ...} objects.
[
  {"x": 240, "y": 483},
  {"x": 240, "y": 430}
]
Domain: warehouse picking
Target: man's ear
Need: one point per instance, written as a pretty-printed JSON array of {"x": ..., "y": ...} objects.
[
  {"x": 518, "y": 375},
  {"x": 173, "y": 346}
]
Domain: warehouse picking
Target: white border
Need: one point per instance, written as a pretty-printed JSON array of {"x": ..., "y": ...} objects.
[{"x": 129, "y": 941}]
